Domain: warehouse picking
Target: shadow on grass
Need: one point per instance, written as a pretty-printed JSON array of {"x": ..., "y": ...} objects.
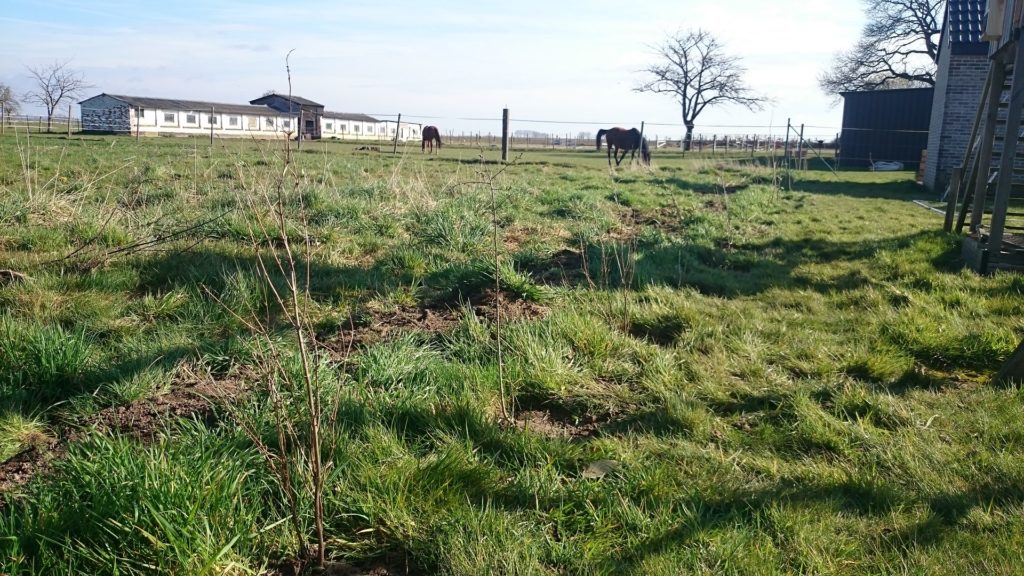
[
  {"x": 749, "y": 269},
  {"x": 946, "y": 511},
  {"x": 67, "y": 386},
  {"x": 211, "y": 268},
  {"x": 500, "y": 451}
]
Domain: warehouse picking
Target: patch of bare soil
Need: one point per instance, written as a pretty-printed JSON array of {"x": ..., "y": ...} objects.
[
  {"x": 22, "y": 467},
  {"x": 439, "y": 318},
  {"x": 296, "y": 568},
  {"x": 142, "y": 419},
  {"x": 489, "y": 303},
  {"x": 716, "y": 205},
  {"x": 555, "y": 425},
  {"x": 666, "y": 218},
  {"x": 11, "y": 277},
  {"x": 388, "y": 325},
  {"x": 563, "y": 268}
]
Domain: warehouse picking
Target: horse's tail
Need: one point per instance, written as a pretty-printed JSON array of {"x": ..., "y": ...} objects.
[
  {"x": 600, "y": 134},
  {"x": 438, "y": 137},
  {"x": 645, "y": 152}
]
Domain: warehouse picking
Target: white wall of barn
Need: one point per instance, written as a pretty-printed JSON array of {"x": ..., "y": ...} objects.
[
  {"x": 198, "y": 122},
  {"x": 107, "y": 114}
]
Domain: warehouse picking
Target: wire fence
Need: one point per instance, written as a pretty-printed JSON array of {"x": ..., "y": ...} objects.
[
  {"x": 855, "y": 147},
  {"x": 40, "y": 124}
]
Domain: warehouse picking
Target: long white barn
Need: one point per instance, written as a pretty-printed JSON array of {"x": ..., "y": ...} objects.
[{"x": 278, "y": 117}]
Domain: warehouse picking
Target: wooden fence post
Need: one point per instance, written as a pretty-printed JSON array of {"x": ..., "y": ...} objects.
[
  {"x": 138, "y": 123},
  {"x": 69, "y": 121},
  {"x": 785, "y": 149},
  {"x": 3, "y": 119},
  {"x": 398, "y": 130},
  {"x": 800, "y": 150},
  {"x": 952, "y": 198}
]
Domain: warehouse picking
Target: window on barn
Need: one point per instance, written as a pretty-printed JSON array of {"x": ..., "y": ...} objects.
[
  {"x": 213, "y": 120},
  {"x": 169, "y": 117},
  {"x": 191, "y": 119},
  {"x": 142, "y": 112},
  {"x": 342, "y": 127},
  {"x": 287, "y": 123},
  {"x": 232, "y": 120},
  {"x": 254, "y": 123},
  {"x": 270, "y": 122},
  {"x": 355, "y": 128},
  {"x": 330, "y": 126},
  {"x": 392, "y": 131}
]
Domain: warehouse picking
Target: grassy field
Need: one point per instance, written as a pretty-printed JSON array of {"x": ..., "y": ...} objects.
[{"x": 706, "y": 373}]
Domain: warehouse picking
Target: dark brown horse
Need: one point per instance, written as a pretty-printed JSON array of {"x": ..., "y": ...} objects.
[
  {"x": 430, "y": 135},
  {"x": 626, "y": 141}
]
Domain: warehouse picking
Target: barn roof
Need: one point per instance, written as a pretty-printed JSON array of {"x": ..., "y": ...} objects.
[
  {"x": 189, "y": 105},
  {"x": 349, "y": 116},
  {"x": 294, "y": 99},
  {"x": 964, "y": 26}
]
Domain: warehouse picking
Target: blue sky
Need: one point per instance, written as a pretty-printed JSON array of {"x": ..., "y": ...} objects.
[{"x": 568, "y": 60}]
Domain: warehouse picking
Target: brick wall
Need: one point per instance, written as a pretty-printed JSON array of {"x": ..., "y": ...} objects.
[{"x": 959, "y": 86}]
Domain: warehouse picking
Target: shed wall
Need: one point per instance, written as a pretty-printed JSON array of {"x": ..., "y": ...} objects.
[{"x": 885, "y": 125}]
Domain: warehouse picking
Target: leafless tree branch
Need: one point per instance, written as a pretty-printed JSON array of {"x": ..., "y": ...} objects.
[
  {"x": 54, "y": 83},
  {"x": 7, "y": 100},
  {"x": 898, "y": 48},
  {"x": 694, "y": 69}
]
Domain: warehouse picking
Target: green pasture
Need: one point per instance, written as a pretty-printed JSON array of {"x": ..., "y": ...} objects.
[{"x": 715, "y": 366}]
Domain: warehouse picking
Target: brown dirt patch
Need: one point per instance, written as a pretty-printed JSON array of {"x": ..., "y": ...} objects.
[
  {"x": 440, "y": 318},
  {"x": 11, "y": 277},
  {"x": 511, "y": 309},
  {"x": 563, "y": 268},
  {"x": 666, "y": 218},
  {"x": 22, "y": 467},
  {"x": 295, "y": 568},
  {"x": 388, "y": 325},
  {"x": 554, "y": 425},
  {"x": 143, "y": 419}
]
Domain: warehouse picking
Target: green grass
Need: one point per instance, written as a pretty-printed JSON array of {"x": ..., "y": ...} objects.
[{"x": 791, "y": 381}]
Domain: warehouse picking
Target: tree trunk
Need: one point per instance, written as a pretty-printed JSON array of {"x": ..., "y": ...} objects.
[
  {"x": 49, "y": 121},
  {"x": 688, "y": 142},
  {"x": 1013, "y": 370}
]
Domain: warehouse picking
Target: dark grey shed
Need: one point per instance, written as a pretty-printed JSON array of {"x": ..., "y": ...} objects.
[{"x": 885, "y": 125}]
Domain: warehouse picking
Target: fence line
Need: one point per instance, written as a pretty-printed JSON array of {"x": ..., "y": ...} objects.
[
  {"x": 38, "y": 123},
  {"x": 754, "y": 141}
]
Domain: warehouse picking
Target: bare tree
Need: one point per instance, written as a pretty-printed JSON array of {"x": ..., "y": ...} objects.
[
  {"x": 8, "y": 102},
  {"x": 898, "y": 48},
  {"x": 695, "y": 69},
  {"x": 54, "y": 83}
]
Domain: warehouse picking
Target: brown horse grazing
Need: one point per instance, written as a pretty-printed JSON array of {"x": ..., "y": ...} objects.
[
  {"x": 430, "y": 135},
  {"x": 626, "y": 141}
]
